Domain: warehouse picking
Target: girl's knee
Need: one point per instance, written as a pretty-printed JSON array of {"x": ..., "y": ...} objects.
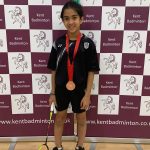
[
  {"x": 81, "y": 119},
  {"x": 81, "y": 116},
  {"x": 60, "y": 118}
]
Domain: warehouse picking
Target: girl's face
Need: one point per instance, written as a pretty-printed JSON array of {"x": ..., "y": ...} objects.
[{"x": 72, "y": 21}]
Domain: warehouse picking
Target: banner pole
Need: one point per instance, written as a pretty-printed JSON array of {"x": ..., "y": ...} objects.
[
  {"x": 138, "y": 147},
  {"x": 12, "y": 146},
  {"x": 92, "y": 146}
]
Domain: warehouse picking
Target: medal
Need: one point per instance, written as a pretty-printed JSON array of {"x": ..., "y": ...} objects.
[
  {"x": 70, "y": 66},
  {"x": 70, "y": 85}
]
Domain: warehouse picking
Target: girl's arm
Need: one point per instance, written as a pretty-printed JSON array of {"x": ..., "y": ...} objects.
[
  {"x": 53, "y": 82},
  {"x": 86, "y": 99},
  {"x": 52, "y": 94},
  {"x": 89, "y": 83}
]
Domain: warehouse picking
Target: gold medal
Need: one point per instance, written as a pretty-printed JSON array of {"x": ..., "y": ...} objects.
[{"x": 70, "y": 85}]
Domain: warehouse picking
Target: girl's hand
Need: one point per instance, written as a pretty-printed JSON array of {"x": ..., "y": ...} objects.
[
  {"x": 85, "y": 102},
  {"x": 52, "y": 99}
]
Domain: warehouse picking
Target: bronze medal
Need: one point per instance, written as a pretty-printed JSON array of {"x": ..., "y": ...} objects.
[{"x": 70, "y": 85}]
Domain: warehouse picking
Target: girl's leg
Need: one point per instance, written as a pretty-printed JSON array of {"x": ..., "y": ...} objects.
[
  {"x": 59, "y": 126},
  {"x": 81, "y": 127}
]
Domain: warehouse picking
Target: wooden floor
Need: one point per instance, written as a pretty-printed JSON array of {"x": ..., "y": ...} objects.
[{"x": 71, "y": 145}]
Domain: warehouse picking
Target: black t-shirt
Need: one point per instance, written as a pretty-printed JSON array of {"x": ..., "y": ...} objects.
[{"x": 85, "y": 60}]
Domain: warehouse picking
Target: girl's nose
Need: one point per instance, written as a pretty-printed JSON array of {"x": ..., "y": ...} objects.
[{"x": 70, "y": 20}]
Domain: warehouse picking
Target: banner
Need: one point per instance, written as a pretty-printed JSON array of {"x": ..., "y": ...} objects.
[
  {"x": 26, "y": 37},
  {"x": 120, "y": 101}
]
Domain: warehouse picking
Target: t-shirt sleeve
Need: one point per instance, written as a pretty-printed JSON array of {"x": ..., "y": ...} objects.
[
  {"x": 52, "y": 58},
  {"x": 92, "y": 59}
]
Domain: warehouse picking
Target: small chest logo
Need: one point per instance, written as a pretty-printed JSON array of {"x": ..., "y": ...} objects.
[{"x": 86, "y": 45}]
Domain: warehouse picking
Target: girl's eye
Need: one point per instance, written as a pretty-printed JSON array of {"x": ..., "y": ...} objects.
[
  {"x": 74, "y": 18},
  {"x": 70, "y": 18},
  {"x": 66, "y": 19}
]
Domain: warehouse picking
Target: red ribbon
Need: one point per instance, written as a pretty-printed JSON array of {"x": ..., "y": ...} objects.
[{"x": 70, "y": 66}]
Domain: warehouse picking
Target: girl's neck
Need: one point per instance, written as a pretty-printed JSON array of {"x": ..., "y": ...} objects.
[{"x": 73, "y": 36}]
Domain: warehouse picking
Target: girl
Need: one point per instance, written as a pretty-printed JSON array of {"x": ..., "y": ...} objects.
[{"x": 73, "y": 61}]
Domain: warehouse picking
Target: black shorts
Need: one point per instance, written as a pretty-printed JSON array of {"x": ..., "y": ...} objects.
[{"x": 64, "y": 97}]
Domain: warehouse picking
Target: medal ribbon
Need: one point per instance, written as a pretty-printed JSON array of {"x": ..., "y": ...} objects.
[{"x": 70, "y": 66}]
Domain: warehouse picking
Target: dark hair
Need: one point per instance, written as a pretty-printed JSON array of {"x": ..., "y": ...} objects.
[{"x": 74, "y": 5}]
